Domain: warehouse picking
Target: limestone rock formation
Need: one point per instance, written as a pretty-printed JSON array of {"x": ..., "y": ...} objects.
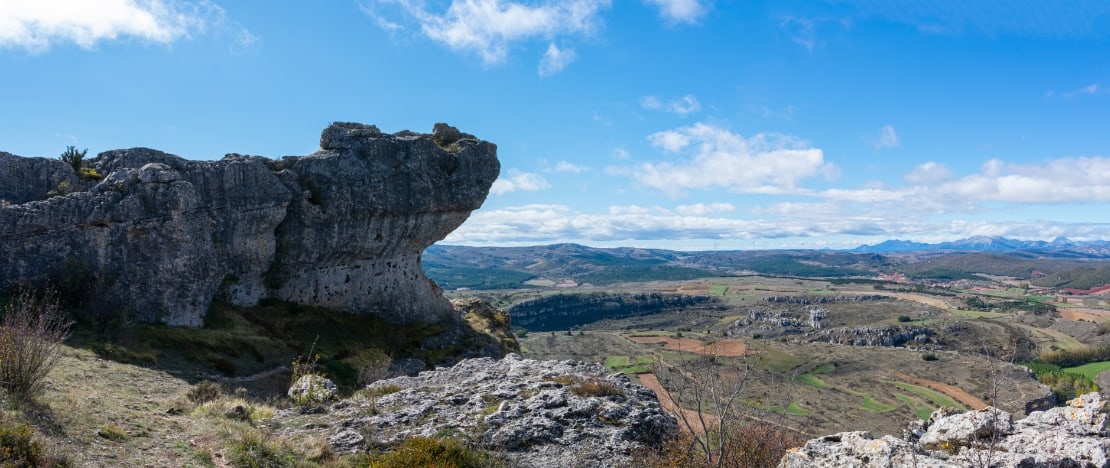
[
  {"x": 528, "y": 413},
  {"x": 1073, "y": 436},
  {"x": 161, "y": 236}
]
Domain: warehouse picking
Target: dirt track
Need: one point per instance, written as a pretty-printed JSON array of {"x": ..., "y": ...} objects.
[
  {"x": 726, "y": 348},
  {"x": 956, "y": 393}
]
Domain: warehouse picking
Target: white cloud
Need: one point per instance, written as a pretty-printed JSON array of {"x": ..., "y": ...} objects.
[
  {"x": 35, "y": 25},
  {"x": 888, "y": 138},
  {"x": 518, "y": 180},
  {"x": 682, "y": 106},
  {"x": 929, "y": 173},
  {"x": 681, "y": 11},
  {"x": 567, "y": 167},
  {"x": 651, "y": 102},
  {"x": 764, "y": 163},
  {"x": 701, "y": 209},
  {"x": 621, "y": 154},
  {"x": 555, "y": 60},
  {"x": 685, "y": 105},
  {"x": 489, "y": 28},
  {"x": 801, "y": 31}
]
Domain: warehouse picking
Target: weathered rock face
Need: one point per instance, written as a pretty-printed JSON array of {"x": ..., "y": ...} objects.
[
  {"x": 1072, "y": 436},
  {"x": 162, "y": 236},
  {"x": 528, "y": 413}
]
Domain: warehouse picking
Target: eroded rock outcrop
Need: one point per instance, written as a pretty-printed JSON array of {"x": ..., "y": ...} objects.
[
  {"x": 1070, "y": 436},
  {"x": 528, "y": 413},
  {"x": 161, "y": 236}
]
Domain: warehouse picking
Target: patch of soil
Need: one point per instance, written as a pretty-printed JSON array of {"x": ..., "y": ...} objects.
[
  {"x": 1079, "y": 313},
  {"x": 956, "y": 393},
  {"x": 726, "y": 348}
]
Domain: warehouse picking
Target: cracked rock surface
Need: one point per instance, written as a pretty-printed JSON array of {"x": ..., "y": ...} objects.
[
  {"x": 527, "y": 412},
  {"x": 162, "y": 236},
  {"x": 1073, "y": 435}
]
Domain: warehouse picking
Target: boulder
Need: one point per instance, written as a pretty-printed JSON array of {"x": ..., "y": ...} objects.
[
  {"x": 313, "y": 389},
  {"x": 162, "y": 237}
]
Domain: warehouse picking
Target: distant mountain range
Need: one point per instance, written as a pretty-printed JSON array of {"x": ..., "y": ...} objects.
[
  {"x": 1059, "y": 247},
  {"x": 1059, "y": 263}
]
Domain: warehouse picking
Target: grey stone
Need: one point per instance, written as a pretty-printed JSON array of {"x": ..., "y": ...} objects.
[
  {"x": 524, "y": 411},
  {"x": 313, "y": 388},
  {"x": 1069, "y": 436},
  {"x": 161, "y": 236}
]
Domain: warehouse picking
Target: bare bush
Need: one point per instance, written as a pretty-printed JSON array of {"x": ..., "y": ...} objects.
[
  {"x": 716, "y": 410},
  {"x": 31, "y": 334}
]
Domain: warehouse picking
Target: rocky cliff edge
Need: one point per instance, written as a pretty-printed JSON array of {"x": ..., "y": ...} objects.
[
  {"x": 1069, "y": 436},
  {"x": 162, "y": 237}
]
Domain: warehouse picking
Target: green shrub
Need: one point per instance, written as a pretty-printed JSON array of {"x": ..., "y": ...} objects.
[
  {"x": 904, "y": 318},
  {"x": 73, "y": 157},
  {"x": 17, "y": 447},
  {"x": 253, "y": 449},
  {"x": 112, "y": 432},
  {"x": 31, "y": 334},
  {"x": 204, "y": 391},
  {"x": 929, "y": 357},
  {"x": 1065, "y": 385},
  {"x": 426, "y": 451},
  {"x": 224, "y": 365}
]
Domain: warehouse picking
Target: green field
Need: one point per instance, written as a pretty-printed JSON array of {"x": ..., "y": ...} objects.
[
  {"x": 640, "y": 365},
  {"x": 718, "y": 289},
  {"x": 920, "y": 409},
  {"x": 936, "y": 397},
  {"x": 1091, "y": 370},
  {"x": 871, "y": 404},
  {"x": 810, "y": 378}
]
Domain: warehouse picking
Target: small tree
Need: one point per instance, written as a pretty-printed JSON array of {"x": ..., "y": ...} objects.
[
  {"x": 74, "y": 158},
  {"x": 31, "y": 334}
]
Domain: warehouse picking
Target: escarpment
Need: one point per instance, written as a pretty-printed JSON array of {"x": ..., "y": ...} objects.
[{"x": 162, "y": 236}]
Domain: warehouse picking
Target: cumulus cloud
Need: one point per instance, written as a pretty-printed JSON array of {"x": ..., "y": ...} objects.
[
  {"x": 702, "y": 209},
  {"x": 517, "y": 180},
  {"x": 555, "y": 60},
  {"x": 682, "y": 106},
  {"x": 681, "y": 11},
  {"x": 717, "y": 158},
  {"x": 539, "y": 224},
  {"x": 888, "y": 138},
  {"x": 490, "y": 28},
  {"x": 567, "y": 167},
  {"x": 929, "y": 173},
  {"x": 35, "y": 25}
]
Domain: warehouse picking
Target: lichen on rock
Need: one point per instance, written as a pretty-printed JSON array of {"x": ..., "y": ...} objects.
[{"x": 162, "y": 237}]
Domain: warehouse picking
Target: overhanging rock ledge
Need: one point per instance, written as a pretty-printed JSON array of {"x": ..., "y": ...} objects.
[{"x": 162, "y": 237}]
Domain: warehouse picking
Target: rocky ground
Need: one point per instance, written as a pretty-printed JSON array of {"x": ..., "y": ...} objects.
[
  {"x": 1070, "y": 436},
  {"x": 527, "y": 412}
]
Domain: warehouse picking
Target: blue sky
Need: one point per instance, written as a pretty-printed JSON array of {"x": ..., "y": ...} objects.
[{"x": 683, "y": 124}]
